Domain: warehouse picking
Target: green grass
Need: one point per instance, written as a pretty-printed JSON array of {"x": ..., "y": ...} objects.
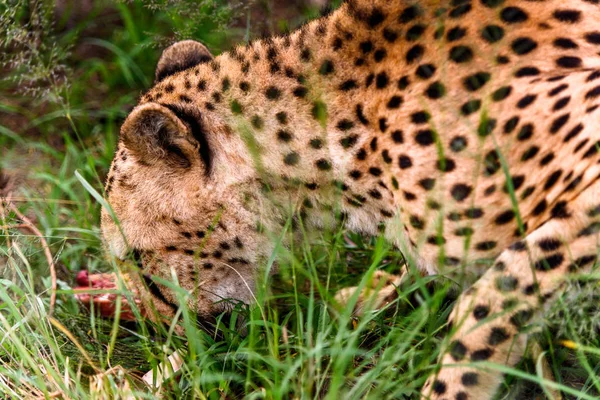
[{"x": 58, "y": 129}]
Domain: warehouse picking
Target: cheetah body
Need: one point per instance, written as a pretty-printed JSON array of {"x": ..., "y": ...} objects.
[{"x": 456, "y": 129}]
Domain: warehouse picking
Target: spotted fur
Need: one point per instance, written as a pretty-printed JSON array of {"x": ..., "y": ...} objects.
[{"x": 464, "y": 130}]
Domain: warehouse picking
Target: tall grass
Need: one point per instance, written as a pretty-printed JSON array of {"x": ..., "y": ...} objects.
[{"x": 60, "y": 110}]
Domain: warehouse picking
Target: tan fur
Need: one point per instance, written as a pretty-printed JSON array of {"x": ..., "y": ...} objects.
[{"x": 335, "y": 117}]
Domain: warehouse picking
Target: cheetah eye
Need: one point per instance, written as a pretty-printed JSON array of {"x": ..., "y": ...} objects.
[{"x": 136, "y": 255}]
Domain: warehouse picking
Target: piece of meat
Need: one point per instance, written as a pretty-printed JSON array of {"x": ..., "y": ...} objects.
[{"x": 102, "y": 291}]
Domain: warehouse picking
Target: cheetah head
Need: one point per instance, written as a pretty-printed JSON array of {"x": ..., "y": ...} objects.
[{"x": 181, "y": 194}]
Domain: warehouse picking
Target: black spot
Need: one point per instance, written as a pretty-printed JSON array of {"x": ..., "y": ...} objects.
[
  {"x": 482, "y": 355},
  {"x": 244, "y": 86},
  {"x": 470, "y": 379},
  {"x": 525, "y": 132},
  {"x": 390, "y": 35},
  {"x": 549, "y": 244},
  {"x": 592, "y": 37},
  {"x": 506, "y": 283},
  {"x": 461, "y": 54},
  {"x": 573, "y": 132},
  {"x": 592, "y": 94},
  {"x": 593, "y": 76},
  {"x": 436, "y": 90},
  {"x": 397, "y": 136},
  {"x": 415, "y": 32},
  {"x": 518, "y": 246},
  {"x": 319, "y": 111},
  {"x": 316, "y": 143},
  {"x": 474, "y": 213},
  {"x": 403, "y": 83},
  {"x": 470, "y": 107},
  {"x": 513, "y": 15},
  {"x": 383, "y": 125},
  {"x": 323, "y": 164},
  {"x": 569, "y": 62},
  {"x": 345, "y": 125},
  {"x": 300, "y": 92},
  {"x": 375, "y": 18},
  {"x": 590, "y": 230},
  {"x": 486, "y": 126},
  {"x": 420, "y": 117},
  {"x": 480, "y": 312},
  {"x": 284, "y": 136},
  {"x": 501, "y": 93},
  {"x": 505, "y": 217},
  {"x": 282, "y": 117},
  {"x": 348, "y": 85},
  {"x": 582, "y": 262},
  {"x": 569, "y": 16},
  {"x": 409, "y": 13},
  {"x": 540, "y": 207},
  {"x": 446, "y": 165},
  {"x": 527, "y": 71},
  {"x": 375, "y": 171},
  {"x": 414, "y": 53},
  {"x": 501, "y": 60},
  {"x": 382, "y": 80},
  {"x": 561, "y": 103},
  {"x": 458, "y": 350},
  {"x": 461, "y": 191},
  {"x": 520, "y": 318},
  {"x": 593, "y": 150},
  {"x": 492, "y": 33},
  {"x": 458, "y": 144},
  {"x": 486, "y": 246},
  {"x": 404, "y": 162},
  {"x": 491, "y": 163},
  {"x": 379, "y": 55},
  {"x": 361, "y": 155},
  {"x": 492, "y": 3},
  {"x": 273, "y": 93},
  {"x": 565, "y": 43},
  {"x": 549, "y": 263},
  {"x": 456, "y": 33},
  {"x": 291, "y": 158},
  {"x": 523, "y": 45},
  {"x": 394, "y": 102},
  {"x": 476, "y": 81},
  {"x": 558, "y": 123},
  {"x": 427, "y": 183},
  {"x": 425, "y": 71},
  {"x": 547, "y": 158},
  {"x": 459, "y": 11},
  {"x": 439, "y": 387},
  {"x": 360, "y": 115},
  {"x": 557, "y": 89},
  {"x": 257, "y": 122},
  {"x": 552, "y": 179},
  {"x": 416, "y": 222},
  {"x": 526, "y": 101},
  {"x": 425, "y": 137},
  {"x": 386, "y": 156}
]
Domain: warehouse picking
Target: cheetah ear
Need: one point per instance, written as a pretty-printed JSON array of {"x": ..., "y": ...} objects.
[
  {"x": 181, "y": 56},
  {"x": 154, "y": 133}
]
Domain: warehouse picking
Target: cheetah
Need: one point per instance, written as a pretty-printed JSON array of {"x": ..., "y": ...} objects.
[{"x": 464, "y": 131}]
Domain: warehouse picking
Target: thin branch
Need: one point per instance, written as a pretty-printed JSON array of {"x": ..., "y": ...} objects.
[{"x": 30, "y": 226}]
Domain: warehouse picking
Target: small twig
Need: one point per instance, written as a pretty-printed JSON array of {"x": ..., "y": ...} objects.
[
  {"x": 15, "y": 226},
  {"x": 30, "y": 226}
]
